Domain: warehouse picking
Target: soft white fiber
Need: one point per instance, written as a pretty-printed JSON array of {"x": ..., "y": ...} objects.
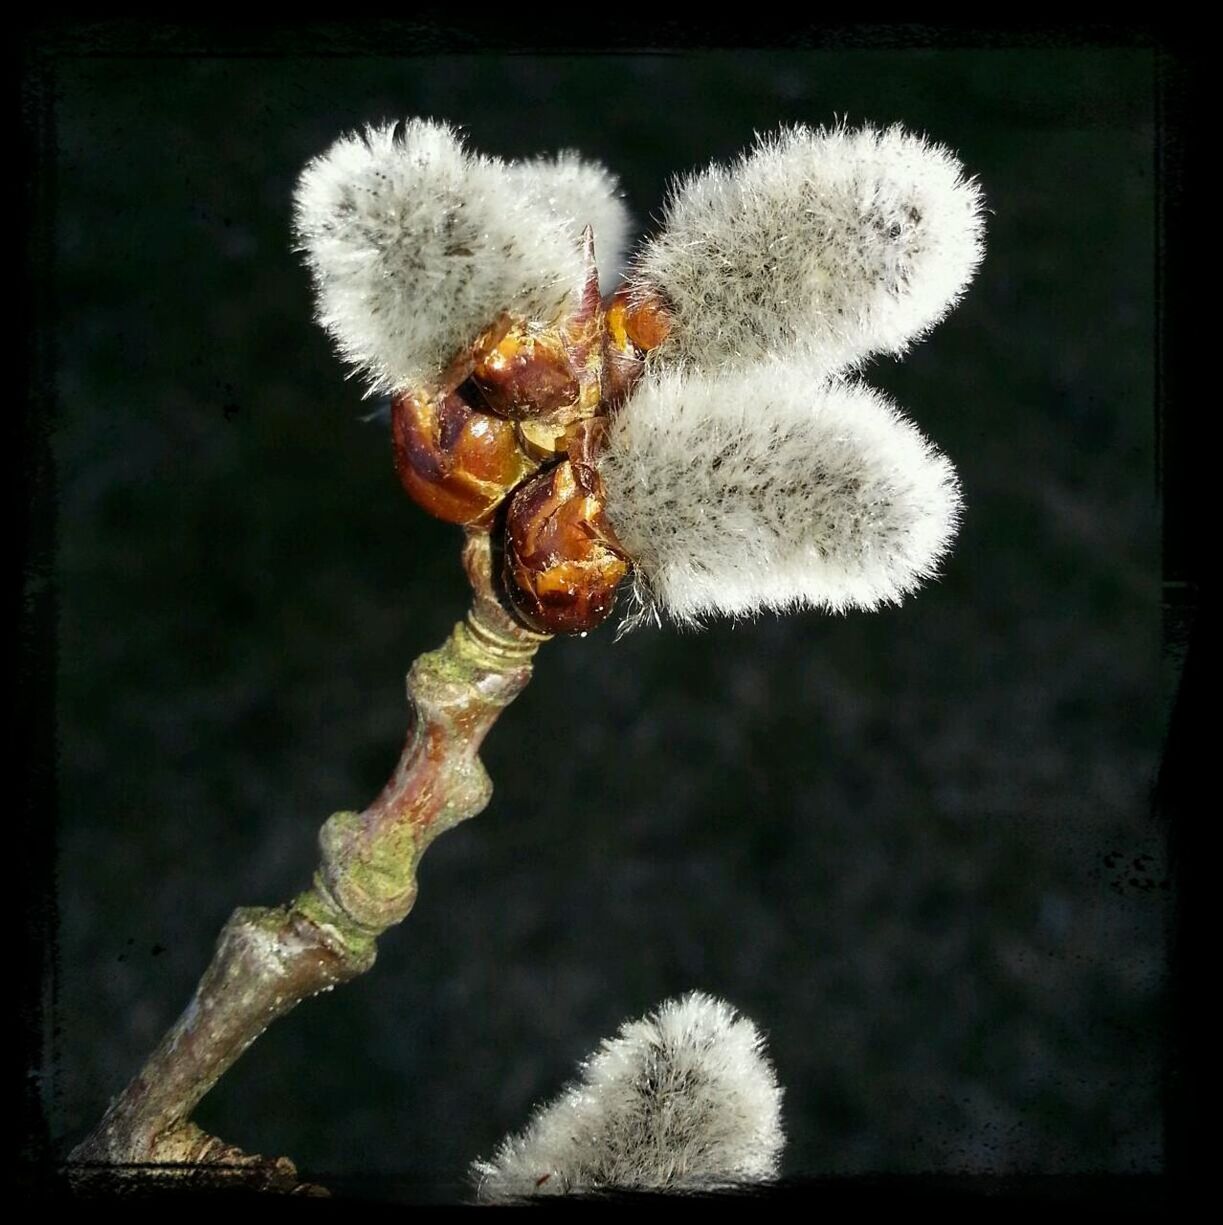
[
  {"x": 837, "y": 242},
  {"x": 416, "y": 245},
  {"x": 583, "y": 193},
  {"x": 684, "y": 1099},
  {"x": 771, "y": 488}
]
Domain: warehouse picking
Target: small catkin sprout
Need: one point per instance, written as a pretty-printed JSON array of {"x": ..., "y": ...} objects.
[
  {"x": 772, "y": 488},
  {"x": 418, "y": 245},
  {"x": 684, "y": 1099},
  {"x": 835, "y": 242}
]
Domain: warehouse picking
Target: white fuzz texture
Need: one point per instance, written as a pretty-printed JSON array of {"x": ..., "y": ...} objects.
[
  {"x": 416, "y": 245},
  {"x": 582, "y": 193},
  {"x": 770, "y": 488},
  {"x": 835, "y": 242},
  {"x": 683, "y": 1099}
]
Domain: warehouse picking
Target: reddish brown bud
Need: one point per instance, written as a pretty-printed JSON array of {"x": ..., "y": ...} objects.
[
  {"x": 523, "y": 395},
  {"x": 527, "y": 373},
  {"x": 546, "y": 378},
  {"x": 634, "y": 323},
  {"x": 455, "y": 461},
  {"x": 562, "y": 560},
  {"x": 647, "y": 321}
]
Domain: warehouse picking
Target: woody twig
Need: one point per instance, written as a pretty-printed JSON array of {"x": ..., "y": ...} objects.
[{"x": 268, "y": 960}]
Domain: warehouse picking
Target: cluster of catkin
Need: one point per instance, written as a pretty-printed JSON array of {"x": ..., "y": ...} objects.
[
  {"x": 738, "y": 464},
  {"x": 694, "y": 426}
]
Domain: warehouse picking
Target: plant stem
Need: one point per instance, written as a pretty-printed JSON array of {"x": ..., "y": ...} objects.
[{"x": 269, "y": 960}]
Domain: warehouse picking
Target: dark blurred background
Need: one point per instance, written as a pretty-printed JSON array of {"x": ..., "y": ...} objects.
[{"x": 914, "y": 846}]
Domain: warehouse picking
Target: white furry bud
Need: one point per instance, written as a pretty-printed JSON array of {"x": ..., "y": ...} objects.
[
  {"x": 683, "y": 1099},
  {"x": 839, "y": 243},
  {"x": 416, "y": 245},
  {"x": 768, "y": 487},
  {"x": 583, "y": 193}
]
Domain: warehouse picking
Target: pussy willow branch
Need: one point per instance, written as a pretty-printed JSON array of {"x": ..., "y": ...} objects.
[{"x": 268, "y": 960}]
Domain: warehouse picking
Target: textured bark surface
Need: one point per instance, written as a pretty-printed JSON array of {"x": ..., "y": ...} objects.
[{"x": 268, "y": 960}]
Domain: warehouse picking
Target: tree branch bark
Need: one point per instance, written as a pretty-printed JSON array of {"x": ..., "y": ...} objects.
[{"x": 268, "y": 960}]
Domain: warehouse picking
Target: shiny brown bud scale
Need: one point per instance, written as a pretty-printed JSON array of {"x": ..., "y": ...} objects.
[
  {"x": 634, "y": 323},
  {"x": 527, "y": 373},
  {"x": 458, "y": 463},
  {"x": 525, "y": 396},
  {"x": 562, "y": 561}
]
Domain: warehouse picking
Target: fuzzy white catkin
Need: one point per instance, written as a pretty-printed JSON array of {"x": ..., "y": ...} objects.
[
  {"x": 683, "y": 1099},
  {"x": 772, "y": 488},
  {"x": 584, "y": 193},
  {"x": 837, "y": 242},
  {"x": 416, "y": 244}
]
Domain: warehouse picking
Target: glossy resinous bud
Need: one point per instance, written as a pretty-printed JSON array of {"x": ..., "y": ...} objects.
[
  {"x": 562, "y": 560},
  {"x": 458, "y": 463},
  {"x": 634, "y": 322},
  {"x": 547, "y": 378}
]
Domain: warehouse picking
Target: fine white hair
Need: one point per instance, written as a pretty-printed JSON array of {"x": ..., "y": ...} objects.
[
  {"x": 416, "y": 244},
  {"x": 771, "y": 488},
  {"x": 582, "y": 193},
  {"x": 835, "y": 241},
  {"x": 683, "y": 1099}
]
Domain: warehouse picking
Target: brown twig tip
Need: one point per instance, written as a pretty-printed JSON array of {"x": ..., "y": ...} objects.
[{"x": 268, "y": 960}]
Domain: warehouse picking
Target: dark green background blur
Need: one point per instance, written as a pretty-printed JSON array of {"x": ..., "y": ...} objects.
[{"x": 903, "y": 843}]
